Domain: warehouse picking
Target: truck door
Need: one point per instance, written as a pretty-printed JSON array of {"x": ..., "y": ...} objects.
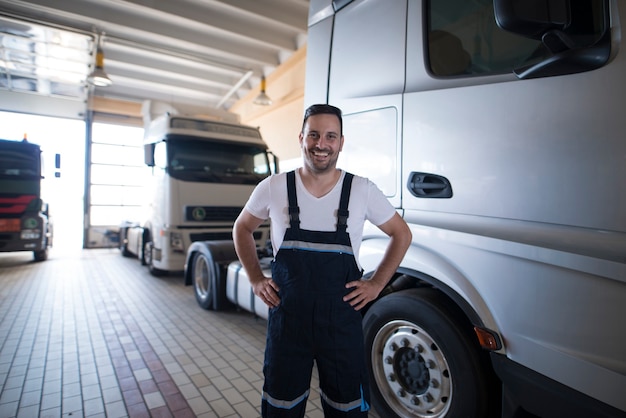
[
  {"x": 366, "y": 81},
  {"x": 510, "y": 148}
]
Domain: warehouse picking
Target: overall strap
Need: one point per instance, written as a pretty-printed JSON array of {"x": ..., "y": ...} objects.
[
  {"x": 294, "y": 210},
  {"x": 342, "y": 212}
]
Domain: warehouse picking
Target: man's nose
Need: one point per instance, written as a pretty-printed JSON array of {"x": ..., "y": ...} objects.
[{"x": 322, "y": 142}]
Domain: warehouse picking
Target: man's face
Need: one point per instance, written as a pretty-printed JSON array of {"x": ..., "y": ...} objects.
[{"x": 321, "y": 142}]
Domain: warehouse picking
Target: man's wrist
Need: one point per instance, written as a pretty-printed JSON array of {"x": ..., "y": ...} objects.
[{"x": 256, "y": 280}]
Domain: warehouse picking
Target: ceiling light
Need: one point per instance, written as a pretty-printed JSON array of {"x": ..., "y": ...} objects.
[
  {"x": 98, "y": 76},
  {"x": 262, "y": 99}
]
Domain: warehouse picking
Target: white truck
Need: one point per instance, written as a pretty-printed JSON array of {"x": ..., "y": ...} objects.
[
  {"x": 202, "y": 173},
  {"x": 497, "y": 129}
]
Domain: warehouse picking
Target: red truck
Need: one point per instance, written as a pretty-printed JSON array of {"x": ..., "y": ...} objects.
[{"x": 25, "y": 223}]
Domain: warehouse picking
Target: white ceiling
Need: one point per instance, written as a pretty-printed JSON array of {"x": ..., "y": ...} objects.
[{"x": 200, "y": 53}]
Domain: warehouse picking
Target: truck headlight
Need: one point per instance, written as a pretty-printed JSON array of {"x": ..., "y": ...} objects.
[{"x": 176, "y": 242}]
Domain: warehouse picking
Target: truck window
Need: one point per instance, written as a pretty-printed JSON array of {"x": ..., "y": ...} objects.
[
  {"x": 160, "y": 155},
  {"x": 261, "y": 164},
  {"x": 215, "y": 161},
  {"x": 463, "y": 38},
  {"x": 22, "y": 165}
]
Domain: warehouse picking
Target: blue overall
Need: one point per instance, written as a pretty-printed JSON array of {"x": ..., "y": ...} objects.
[{"x": 313, "y": 322}]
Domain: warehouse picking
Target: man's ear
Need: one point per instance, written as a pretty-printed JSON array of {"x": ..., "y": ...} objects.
[
  {"x": 300, "y": 138},
  {"x": 341, "y": 143}
]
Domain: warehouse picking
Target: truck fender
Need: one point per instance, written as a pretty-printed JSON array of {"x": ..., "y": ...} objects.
[
  {"x": 425, "y": 266},
  {"x": 218, "y": 250}
]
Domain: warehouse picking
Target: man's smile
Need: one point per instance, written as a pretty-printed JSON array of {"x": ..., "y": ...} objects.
[{"x": 320, "y": 153}]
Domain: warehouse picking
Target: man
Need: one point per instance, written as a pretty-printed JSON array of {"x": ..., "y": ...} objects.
[{"x": 317, "y": 214}]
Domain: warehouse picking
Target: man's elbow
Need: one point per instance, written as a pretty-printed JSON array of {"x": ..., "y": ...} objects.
[
  {"x": 406, "y": 237},
  {"x": 237, "y": 229},
  {"x": 402, "y": 235}
]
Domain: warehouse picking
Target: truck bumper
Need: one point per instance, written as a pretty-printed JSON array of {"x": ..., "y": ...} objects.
[
  {"x": 174, "y": 262},
  {"x": 10, "y": 242},
  {"x": 526, "y": 390}
]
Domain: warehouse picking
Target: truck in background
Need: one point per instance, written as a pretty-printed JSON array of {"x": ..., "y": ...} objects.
[
  {"x": 25, "y": 222},
  {"x": 496, "y": 128},
  {"x": 203, "y": 172}
]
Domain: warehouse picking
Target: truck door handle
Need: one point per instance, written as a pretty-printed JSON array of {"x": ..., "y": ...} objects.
[{"x": 429, "y": 185}]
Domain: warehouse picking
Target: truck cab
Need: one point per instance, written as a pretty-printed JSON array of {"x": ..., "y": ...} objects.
[
  {"x": 25, "y": 223},
  {"x": 496, "y": 128},
  {"x": 202, "y": 172}
]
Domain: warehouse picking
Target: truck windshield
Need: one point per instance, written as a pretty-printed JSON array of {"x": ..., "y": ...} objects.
[
  {"x": 19, "y": 165},
  {"x": 216, "y": 162}
]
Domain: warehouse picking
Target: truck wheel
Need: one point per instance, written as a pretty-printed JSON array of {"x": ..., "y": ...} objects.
[
  {"x": 41, "y": 255},
  {"x": 421, "y": 361},
  {"x": 203, "y": 278},
  {"x": 149, "y": 261},
  {"x": 124, "y": 250},
  {"x": 208, "y": 275},
  {"x": 124, "y": 243},
  {"x": 145, "y": 256}
]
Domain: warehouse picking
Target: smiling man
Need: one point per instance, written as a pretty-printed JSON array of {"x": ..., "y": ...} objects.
[{"x": 317, "y": 215}]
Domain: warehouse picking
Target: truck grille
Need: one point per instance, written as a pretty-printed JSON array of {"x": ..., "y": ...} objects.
[{"x": 212, "y": 213}]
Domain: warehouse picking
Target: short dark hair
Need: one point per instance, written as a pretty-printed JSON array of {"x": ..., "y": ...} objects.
[{"x": 323, "y": 109}]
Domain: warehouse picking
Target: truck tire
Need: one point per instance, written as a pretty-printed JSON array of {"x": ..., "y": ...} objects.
[
  {"x": 124, "y": 243},
  {"x": 149, "y": 261},
  {"x": 421, "y": 362},
  {"x": 203, "y": 275},
  {"x": 124, "y": 250},
  {"x": 41, "y": 255},
  {"x": 208, "y": 274},
  {"x": 145, "y": 255}
]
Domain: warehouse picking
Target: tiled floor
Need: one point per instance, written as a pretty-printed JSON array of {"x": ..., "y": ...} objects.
[{"x": 90, "y": 333}]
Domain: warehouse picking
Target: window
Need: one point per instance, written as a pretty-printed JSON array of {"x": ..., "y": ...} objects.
[
  {"x": 20, "y": 164},
  {"x": 215, "y": 161},
  {"x": 463, "y": 38},
  {"x": 160, "y": 155},
  {"x": 118, "y": 175}
]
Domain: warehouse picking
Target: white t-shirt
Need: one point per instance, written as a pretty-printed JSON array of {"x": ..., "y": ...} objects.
[{"x": 367, "y": 202}]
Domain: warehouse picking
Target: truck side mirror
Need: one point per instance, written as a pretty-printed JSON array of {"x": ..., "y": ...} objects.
[
  {"x": 273, "y": 162},
  {"x": 532, "y": 18},
  {"x": 148, "y": 150},
  {"x": 57, "y": 165},
  {"x": 573, "y": 37}
]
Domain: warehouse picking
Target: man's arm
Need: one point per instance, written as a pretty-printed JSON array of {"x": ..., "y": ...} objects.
[
  {"x": 365, "y": 291},
  {"x": 245, "y": 246}
]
